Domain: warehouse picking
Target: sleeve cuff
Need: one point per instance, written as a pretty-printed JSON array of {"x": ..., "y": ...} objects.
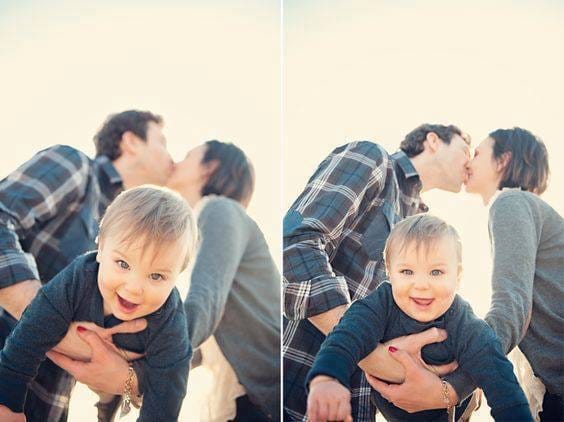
[
  {"x": 13, "y": 391},
  {"x": 313, "y": 297},
  {"x": 333, "y": 366},
  {"x": 462, "y": 383}
]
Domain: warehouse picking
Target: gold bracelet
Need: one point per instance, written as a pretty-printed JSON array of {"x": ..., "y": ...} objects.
[
  {"x": 126, "y": 406},
  {"x": 446, "y": 399}
]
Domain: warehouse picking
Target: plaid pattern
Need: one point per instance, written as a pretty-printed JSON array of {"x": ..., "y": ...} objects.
[
  {"x": 334, "y": 235},
  {"x": 49, "y": 212}
]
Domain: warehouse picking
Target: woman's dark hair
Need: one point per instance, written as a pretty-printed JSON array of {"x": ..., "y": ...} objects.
[
  {"x": 527, "y": 166},
  {"x": 234, "y": 176},
  {"x": 412, "y": 145},
  {"x": 108, "y": 138}
]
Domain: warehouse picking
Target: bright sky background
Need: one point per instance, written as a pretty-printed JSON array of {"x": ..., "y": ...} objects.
[
  {"x": 375, "y": 70},
  {"x": 210, "y": 68},
  {"x": 353, "y": 70}
]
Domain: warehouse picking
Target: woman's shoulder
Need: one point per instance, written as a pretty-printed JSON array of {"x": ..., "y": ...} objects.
[
  {"x": 515, "y": 199},
  {"x": 221, "y": 210},
  {"x": 510, "y": 198}
]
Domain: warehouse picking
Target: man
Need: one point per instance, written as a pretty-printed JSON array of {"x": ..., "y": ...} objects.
[
  {"x": 334, "y": 235},
  {"x": 49, "y": 212}
]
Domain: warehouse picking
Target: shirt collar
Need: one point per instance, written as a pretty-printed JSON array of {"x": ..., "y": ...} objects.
[
  {"x": 412, "y": 180},
  {"x": 405, "y": 164},
  {"x": 110, "y": 180}
]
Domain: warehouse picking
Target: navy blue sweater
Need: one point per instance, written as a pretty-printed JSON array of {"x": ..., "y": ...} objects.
[
  {"x": 73, "y": 295},
  {"x": 471, "y": 342}
]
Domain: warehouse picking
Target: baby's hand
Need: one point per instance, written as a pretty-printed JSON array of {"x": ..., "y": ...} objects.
[
  {"x": 328, "y": 400},
  {"x": 6, "y": 415}
]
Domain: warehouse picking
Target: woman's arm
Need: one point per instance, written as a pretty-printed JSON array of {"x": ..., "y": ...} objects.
[
  {"x": 514, "y": 239},
  {"x": 224, "y": 237}
]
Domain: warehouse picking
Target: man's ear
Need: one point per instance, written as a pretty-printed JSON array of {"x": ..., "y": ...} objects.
[
  {"x": 433, "y": 142},
  {"x": 130, "y": 143}
]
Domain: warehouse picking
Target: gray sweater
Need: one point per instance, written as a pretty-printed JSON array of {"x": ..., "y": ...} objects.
[
  {"x": 235, "y": 295},
  {"x": 527, "y": 307}
]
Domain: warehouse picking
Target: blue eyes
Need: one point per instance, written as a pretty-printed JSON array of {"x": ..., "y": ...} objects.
[
  {"x": 125, "y": 266},
  {"x": 435, "y": 273},
  {"x": 122, "y": 264}
]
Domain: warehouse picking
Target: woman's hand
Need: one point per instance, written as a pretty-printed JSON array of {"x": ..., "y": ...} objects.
[
  {"x": 6, "y": 415},
  {"x": 328, "y": 400},
  {"x": 380, "y": 364},
  {"x": 107, "y": 369},
  {"x": 421, "y": 390},
  {"x": 75, "y": 348}
]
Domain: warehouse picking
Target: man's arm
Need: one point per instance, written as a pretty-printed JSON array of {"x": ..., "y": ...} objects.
[
  {"x": 30, "y": 196},
  {"x": 329, "y": 204},
  {"x": 16, "y": 297},
  {"x": 224, "y": 238}
]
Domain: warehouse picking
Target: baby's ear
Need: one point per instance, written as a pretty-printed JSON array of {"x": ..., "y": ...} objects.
[
  {"x": 459, "y": 275},
  {"x": 100, "y": 244}
]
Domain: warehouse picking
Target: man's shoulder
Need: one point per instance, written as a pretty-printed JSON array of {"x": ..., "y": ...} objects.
[
  {"x": 367, "y": 148},
  {"x": 66, "y": 152}
]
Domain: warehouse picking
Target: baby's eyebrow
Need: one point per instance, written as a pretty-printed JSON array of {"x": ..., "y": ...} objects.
[{"x": 161, "y": 270}]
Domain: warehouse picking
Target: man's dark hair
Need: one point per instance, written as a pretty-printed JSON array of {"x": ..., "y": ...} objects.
[
  {"x": 412, "y": 145},
  {"x": 527, "y": 167},
  {"x": 234, "y": 176},
  {"x": 108, "y": 138}
]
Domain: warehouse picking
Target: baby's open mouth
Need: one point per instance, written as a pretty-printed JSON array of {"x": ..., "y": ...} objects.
[
  {"x": 126, "y": 305},
  {"x": 422, "y": 301}
]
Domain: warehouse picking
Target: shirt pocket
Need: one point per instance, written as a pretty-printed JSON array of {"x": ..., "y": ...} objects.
[{"x": 375, "y": 236}]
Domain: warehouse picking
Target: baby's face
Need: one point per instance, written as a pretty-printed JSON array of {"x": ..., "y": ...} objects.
[
  {"x": 136, "y": 280},
  {"x": 424, "y": 281}
]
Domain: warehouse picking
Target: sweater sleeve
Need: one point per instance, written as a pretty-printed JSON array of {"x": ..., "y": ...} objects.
[
  {"x": 514, "y": 240},
  {"x": 480, "y": 355},
  {"x": 167, "y": 362},
  {"x": 43, "y": 324},
  {"x": 358, "y": 333},
  {"x": 224, "y": 237}
]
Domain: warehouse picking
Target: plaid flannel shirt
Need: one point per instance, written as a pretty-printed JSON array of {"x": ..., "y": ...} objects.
[
  {"x": 334, "y": 235},
  {"x": 49, "y": 212}
]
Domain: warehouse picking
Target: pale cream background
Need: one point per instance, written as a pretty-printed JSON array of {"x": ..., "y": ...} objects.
[
  {"x": 212, "y": 69},
  {"x": 375, "y": 70}
]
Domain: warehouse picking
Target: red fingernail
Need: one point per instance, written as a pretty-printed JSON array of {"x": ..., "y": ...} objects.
[
  {"x": 392, "y": 349},
  {"x": 80, "y": 329}
]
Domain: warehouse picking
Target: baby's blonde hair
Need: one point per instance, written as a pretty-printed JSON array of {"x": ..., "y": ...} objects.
[
  {"x": 153, "y": 215},
  {"x": 423, "y": 230}
]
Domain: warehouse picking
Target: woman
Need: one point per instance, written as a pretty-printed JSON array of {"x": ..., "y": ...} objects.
[
  {"x": 234, "y": 291},
  {"x": 509, "y": 171}
]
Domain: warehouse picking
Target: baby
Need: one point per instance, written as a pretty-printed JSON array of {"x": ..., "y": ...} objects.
[
  {"x": 146, "y": 239},
  {"x": 423, "y": 262}
]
